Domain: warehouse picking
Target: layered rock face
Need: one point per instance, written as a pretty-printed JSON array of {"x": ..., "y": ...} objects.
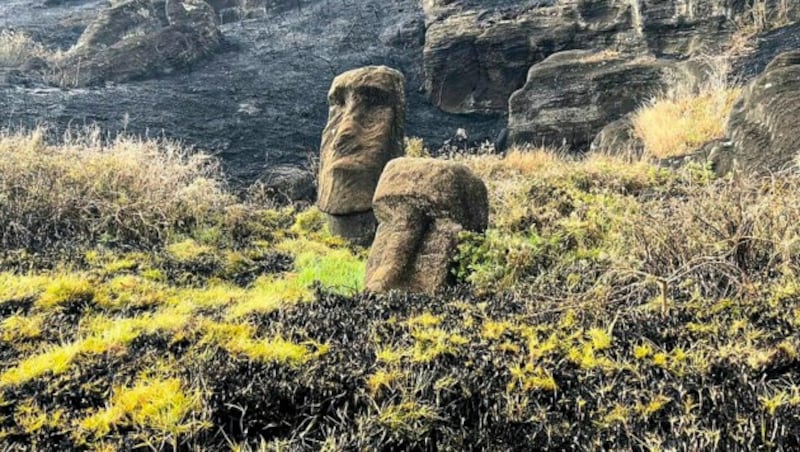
[
  {"x": 764, "y": 127},
  {"x": 235, "y": 10},
  {"x": 421, "y": 206},
  {"x": 478, "y": 52},
  {"x": 572, "y": 95},
  {"x": 366, "y": 128},
  {"x": 127, "y": 42}
]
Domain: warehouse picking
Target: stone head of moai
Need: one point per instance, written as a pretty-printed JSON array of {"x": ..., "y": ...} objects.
[
  {"x": 422, "y": 205},
  {"x": 366, "y": 129}
]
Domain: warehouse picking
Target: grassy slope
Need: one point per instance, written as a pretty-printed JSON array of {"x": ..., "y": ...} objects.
[{"x": 610, "y": 305}]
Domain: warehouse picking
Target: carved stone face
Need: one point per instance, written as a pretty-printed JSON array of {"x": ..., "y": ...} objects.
[
  {"x": 422, "y": 205},
  {"x": 365, "y": 130}
]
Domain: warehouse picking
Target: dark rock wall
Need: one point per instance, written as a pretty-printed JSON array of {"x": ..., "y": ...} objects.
[
  {"x": 763, "y": 127},
  {"x": 478, "y": 52}
]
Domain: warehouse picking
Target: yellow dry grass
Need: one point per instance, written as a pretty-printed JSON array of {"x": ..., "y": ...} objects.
[
  {"x": 16, "y": 48},
  {"x": 688, "y": 114},
  {"x": 677, "y": 125},
  {"x": 92, "y": 186}
]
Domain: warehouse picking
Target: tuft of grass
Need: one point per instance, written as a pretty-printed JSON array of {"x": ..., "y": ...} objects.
[
  {"x": 239, "y": 339},
  {"x": 17, "y": 47},
  {"x": 160, "y": 405},
  {"x": 409, "y": 417},
  {"x": 55, "y": 360},
  {"x": 92, "y": 189},
  {"x": 531, "y": 378},
  {"x": 33, "y": 418},
  {"x": 415, "y": 147},
  {"x": 684, "y": 118},
  {"x": 18, "y": 327},
  {"x": 188, "y": 251},
  {"x": 66, "y": 290},
  {"x": 694, "y": 120},
  {"x": 15, "y": 287}
]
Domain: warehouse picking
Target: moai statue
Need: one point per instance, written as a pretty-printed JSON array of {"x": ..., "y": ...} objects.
[
  {"x": 366, "y": 128},
  {"x": 421, "y": 206}
]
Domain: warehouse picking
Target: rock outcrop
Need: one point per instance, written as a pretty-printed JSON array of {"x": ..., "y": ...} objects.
[
  {"x": 128, "y": 19},
  {"x": 764, "y": 127},
  {"x": 366, "y": 129},
  {"x": 128, "y": 42},
  {"x": 568, "y": 98},
  {"x": 477, "y": 52},
  {"x": 421, "y": 206}
]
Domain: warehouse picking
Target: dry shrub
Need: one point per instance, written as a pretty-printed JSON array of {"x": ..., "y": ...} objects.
[
  {"x": 16, "y": 48},
  {"x": 567, "y": 228},
  {"x": 717, "y": 241},
  {"x": 124, "y": 190},
  {"x": 684, "y": 117}
]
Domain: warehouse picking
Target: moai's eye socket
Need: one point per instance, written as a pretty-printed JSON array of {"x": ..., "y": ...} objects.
[
  {"x": 372, "y": 97},
  {"x": 337, "y": 98}
]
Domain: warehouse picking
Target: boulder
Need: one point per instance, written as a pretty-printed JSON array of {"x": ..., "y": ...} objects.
[
  {"x": 365, "y": 129},
  {"x": 421, "y": 206},
  {"x": 764, "y": 126},
  {"x": 127, "y": 42},
  {"x": 289, "y": 183},
  {"x": 572, "y": 95},
  {"x": 619, "y": 138},
  {"x": 476, "y": 55},
  {"x": 123, "y": 20}
]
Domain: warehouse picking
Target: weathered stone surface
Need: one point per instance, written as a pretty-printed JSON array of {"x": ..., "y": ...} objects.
[
  {"x": 618, "y": 138},
  {"x": 766, "y": 47},
  {"x": 123, "y": 20},
  {"x": 127, "y": 42},
  {"x": 477, "y": 52},
  {"x": 421, "y": 206},
  {"x": 366, "y": 129},
  {"x": 290, "y": 183},
  {"x": 764, "y": 126},
  {"x": 475, "y": 58},
  {"x": 236, "y": 10},
  {"x": 572, "y": 95}
]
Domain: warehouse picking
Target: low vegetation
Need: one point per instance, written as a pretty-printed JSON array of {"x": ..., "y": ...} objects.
[
  {"x": 609, "y": 305},
  {"x": 95, "y": 189},
  {"x": 16, "y": 48},
  {"x": 695, "y": 114}
]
